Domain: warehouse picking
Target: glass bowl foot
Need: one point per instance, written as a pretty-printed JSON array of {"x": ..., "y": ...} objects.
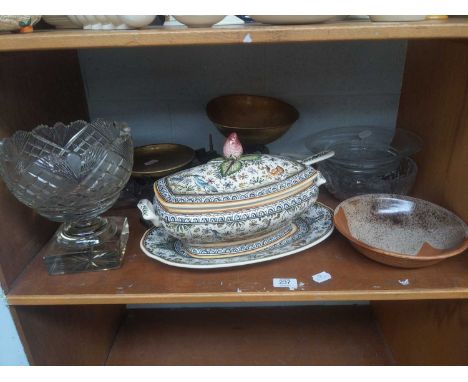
[{"x": 96, "y": 251}]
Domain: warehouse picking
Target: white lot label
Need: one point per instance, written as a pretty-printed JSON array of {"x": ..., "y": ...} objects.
[
  {"x": 285, "y": 283},
  {"x": 152, "y": 161},
  {"x": 321, "y": 277}
]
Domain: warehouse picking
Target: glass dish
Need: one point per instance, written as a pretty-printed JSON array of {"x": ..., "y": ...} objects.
[
  {"x": 403, "y": 142},
  {"x": 344, "y": 183},
  {"x": 367, "y": 159},
  {"x": 72, "y": 174}
]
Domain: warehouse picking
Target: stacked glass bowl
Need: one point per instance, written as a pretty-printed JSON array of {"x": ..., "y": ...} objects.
[{"x": 367, "y": 160}]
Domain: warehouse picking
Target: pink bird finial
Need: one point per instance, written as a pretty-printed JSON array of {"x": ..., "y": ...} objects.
[{"x": 232, "y": 147}]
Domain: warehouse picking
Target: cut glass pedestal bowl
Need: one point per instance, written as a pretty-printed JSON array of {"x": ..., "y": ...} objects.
[{"x": 72, "y": 174}]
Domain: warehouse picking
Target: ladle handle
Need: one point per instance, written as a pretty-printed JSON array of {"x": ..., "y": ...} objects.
[{"x": 322, "y": 155}]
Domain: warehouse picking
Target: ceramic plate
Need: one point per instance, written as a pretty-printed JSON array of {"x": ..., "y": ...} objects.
[{"x": 314, "y": 226}]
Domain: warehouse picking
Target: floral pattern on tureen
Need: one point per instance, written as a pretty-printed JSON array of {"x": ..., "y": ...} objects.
[
  {"x": 222, "y": 226},
  {"x": 235, "y": 177},
  {"x": 248, "y": 172}
]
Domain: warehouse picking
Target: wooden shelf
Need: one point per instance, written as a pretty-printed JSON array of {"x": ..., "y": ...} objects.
[
  {"x": 75, "y": 319},
  {"x": 346, "y": 335},
  {"x": 144, "y": 280},
  {"x": 259, "y": 34}
]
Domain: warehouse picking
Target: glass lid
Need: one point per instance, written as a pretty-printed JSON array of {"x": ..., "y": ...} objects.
[{"x": 399, "y": 142}]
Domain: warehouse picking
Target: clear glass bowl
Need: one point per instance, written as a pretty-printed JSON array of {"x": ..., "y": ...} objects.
[
  {"x": 72, "y": 174},
  {"x": 366, "y": 148},
  {"x": 367, "y": 159},
  {"x": 68, "y": 172},
  {"x": 344, "y": 183},
  {"x": 403, "y": 142},
  {"x": 360, "y": 157}
]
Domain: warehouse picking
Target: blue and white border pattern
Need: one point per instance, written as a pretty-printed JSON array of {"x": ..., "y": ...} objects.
[
  {"x": 166, "y": 193},
  {"x": 157, "y": 245},
  {"x": 232, "y": 250},
  {"x": 308, "y": 194}
]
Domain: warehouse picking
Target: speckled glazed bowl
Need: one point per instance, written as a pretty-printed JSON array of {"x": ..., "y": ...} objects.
[{"x": 401, "y": 231}]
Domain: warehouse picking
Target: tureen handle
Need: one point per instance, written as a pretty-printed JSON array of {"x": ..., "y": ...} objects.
[
  {"x": 147, "y": 211},
  {"x": 322, "y": 155},
  {"x": 319, "y": 179}
]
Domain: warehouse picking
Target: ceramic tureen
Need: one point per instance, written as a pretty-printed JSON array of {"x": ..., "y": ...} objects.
[{"x": 234, "y": 198}]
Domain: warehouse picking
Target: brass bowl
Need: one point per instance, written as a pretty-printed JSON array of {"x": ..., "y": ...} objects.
[
  {"x": 159, "y": 160},
  {"x": 255, "y": 119}
]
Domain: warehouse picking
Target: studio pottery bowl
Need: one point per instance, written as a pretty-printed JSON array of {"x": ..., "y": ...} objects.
[
  {"x": 401, "y": 231},
  {"x": 233, "y": 198},
  {"x": 255, "y": 119}
]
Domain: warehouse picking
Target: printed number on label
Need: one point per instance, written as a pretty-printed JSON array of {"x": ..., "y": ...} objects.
[{"x": 285, "y": 283}]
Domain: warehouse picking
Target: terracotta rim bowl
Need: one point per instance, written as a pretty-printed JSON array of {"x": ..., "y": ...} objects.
[
  {"x": 255, "y": 119},
  {"x": 399, "y": 230}
]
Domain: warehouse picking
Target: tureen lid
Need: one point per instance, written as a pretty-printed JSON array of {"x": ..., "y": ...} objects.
[{"x": 233, "y": 178}]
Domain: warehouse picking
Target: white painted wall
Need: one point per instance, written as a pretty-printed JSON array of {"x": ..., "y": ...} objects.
[{"x": 162, "y": 92}]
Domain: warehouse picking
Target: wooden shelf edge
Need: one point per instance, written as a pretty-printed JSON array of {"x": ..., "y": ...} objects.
[
  {"x": 258, "y": 34},
  {"x": 182, "y": 298}
]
